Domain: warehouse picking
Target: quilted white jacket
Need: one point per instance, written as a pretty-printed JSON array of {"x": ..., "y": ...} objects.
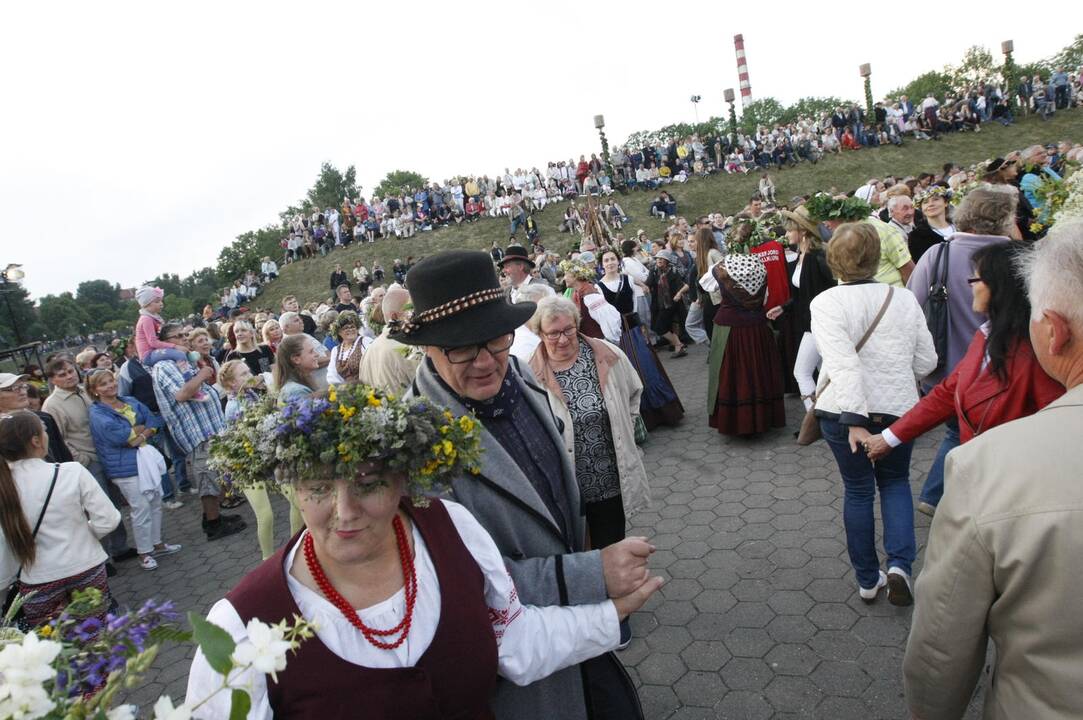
[{"x": 883, "y": 378}]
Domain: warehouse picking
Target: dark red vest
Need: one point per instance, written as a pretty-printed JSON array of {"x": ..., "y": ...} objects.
[{"x": 454, "y": 678}]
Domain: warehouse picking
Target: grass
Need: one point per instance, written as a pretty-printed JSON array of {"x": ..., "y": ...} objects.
[{"x": 308, "y": 279}]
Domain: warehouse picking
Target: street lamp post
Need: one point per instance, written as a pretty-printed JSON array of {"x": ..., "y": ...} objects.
[
  {"x": 695, "y": 106},
  {"x": 11, "y": 279},
  {"x": 866, "y": 72},
  {"x": 730, "y": 97}
]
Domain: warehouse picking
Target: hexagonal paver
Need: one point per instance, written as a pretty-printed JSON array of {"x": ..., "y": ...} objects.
[
  {"x": 749, "y": 642},
  {"x": 840, "y": 678},
  {"x": 791, "y": 629},
  {"x": 660, "y": 668},
  {"x": 699, "y": 688},
  {"x": 743, "y": 705},
  {"x": 706, "y": 655},
  {"x": 790, "y": 602},
  {"x": 832, "y": 616},
  {"x": 790, "y": 659},
  {"x": 836, "y": 644},
  {"x": 669, "y": 639},
  {"x": 793, "y": 694}
]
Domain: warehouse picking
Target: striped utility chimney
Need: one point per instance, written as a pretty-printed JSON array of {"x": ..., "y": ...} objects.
[{"x": 742, "y": 70}]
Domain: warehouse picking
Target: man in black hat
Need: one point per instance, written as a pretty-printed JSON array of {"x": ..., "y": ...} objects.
[
  {"x": 525, "y": 495},
  {"x": 518, "y": 268}
]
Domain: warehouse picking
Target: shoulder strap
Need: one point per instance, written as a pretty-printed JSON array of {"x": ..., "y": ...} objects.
[{"x": 876, "y": 321}]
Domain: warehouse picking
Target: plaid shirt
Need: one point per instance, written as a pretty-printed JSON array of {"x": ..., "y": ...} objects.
[{"x": 192, "y": 422}]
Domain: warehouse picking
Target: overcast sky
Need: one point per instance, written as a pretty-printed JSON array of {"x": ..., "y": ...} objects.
[{"x": 139, "y": 138}]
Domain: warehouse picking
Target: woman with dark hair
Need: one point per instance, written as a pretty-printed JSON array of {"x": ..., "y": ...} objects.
[
  {"x": 999, "y": 379},
  {"x": 659, "y": 402},
  {"x": 707, "y": 256},
  {"x": 53, "y": 516}
]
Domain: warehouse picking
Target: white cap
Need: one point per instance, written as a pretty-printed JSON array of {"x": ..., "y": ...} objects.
[{"x": 9, "y": 379}]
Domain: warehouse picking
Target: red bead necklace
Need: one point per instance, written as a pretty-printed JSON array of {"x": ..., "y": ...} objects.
[{"x": 343, "y": 605}]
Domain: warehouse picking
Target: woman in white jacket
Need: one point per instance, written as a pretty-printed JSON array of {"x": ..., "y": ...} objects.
[
  {"x": 875, "y": 347},
  {"x": 52, "y": 517}
]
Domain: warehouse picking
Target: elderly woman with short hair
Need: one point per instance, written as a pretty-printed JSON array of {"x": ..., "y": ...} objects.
[{"x": 875, "y": 345}]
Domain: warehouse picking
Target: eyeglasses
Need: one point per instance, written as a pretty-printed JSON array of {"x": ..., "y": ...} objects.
[
  {"x": 468, "y": 353},
  {"x": 21, "y": 387},
  {"x": 568, "y": 332},
  {"x": 973, "y": 280}
]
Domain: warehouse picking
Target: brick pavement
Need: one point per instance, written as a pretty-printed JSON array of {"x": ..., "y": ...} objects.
[{"x": 759, "y": 617}]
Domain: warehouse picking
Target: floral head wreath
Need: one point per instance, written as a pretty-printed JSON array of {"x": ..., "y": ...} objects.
[
  {"x": 336, "y": 433},
  {"x": 933, "y": 191},
  {"x": 346, "y": 318},
  {"x": 579, "y": 270}
]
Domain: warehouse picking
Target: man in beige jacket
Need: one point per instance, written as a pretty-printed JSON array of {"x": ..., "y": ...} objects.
[{"x": 1005, "y": 546}]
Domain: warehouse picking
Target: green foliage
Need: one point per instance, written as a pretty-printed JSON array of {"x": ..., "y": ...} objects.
[
  {"x": 935, "y": 82},
  {"x": 765, "y": 111},
  {"x": 246, "y": 252},
  {"x": 99, "y": 292},
  {"x": 62, "y": 315},
  {"x": 239, "y": 705},
  {"x": 1070, "y": 57},
  {"x": 216, "y": 643},
  {"x": 16, "y": 313},
  {"x": 977, "y": 66},
  {"x": 397, "y": 180},
  {"x": 812, "y": 108},
  {"x": 332, "y": 186}
]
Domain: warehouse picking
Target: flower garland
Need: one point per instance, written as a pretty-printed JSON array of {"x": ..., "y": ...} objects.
[
  {"x": 1072, "y": 204},
  {"x": 822, "y": 206},
  {"x": 345, "y": 428}
]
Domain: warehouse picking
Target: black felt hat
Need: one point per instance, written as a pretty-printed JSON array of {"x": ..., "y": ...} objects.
[
  {"x": 458, "y": 301},
  {"x": 516, "y": 252}
]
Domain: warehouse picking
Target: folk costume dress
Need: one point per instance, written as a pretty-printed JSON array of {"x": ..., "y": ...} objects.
[
  {"x": 468, "y": 626},
  {"x": 745, "y": 394},
  {"x": 659, "y": 404}
]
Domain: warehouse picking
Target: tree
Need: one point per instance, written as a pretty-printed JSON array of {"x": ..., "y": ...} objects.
[
  {"x": 394, "y": 182},
  {"x": 812, "y": 108},
  {"x": 763, "y": 112},
  {"x": 977, "y": 66},
  {"x": 935, "y": 82},
  {"x": 246, "y": 252},
  {"x": 99, "y": 292},
  {"x": 1070, "y": 57},
  {"x": 62, "y": 315},
  {"x": 18, "y": 322},
  {"x": 332, "y": 186}
]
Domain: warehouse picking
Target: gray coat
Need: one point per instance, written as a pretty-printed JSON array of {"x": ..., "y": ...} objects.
[{"x": 547, "y": 568}]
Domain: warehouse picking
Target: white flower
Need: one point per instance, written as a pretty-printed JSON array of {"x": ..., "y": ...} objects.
[
  {"x": 122, "y": 712},
  {"x": 29, "y": 663},
  {"x": 265, "y": 650},
  {"x": 164, "y": 710},
  {"x": 24, "y": 702}
]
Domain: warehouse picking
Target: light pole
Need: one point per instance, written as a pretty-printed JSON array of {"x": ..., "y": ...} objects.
[
  {"x": 695, "y": 106},
  {"x": 730, "y": 97},
  {"x": 11, "y": 280},
  {"x": 866, "y": 72}
]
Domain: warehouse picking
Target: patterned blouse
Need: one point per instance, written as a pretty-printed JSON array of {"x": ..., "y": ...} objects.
[{"x": 595, "y": 458}]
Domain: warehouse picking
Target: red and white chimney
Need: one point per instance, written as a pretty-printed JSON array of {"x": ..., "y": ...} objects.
[{"x": 742, "y": 70}]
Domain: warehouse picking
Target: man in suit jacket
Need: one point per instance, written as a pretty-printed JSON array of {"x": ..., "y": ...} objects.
[
  {"x": 1008, "y": 535},
  {"x": 526, "y": 495}
]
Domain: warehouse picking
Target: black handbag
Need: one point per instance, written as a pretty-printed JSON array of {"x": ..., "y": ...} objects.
[
  {"x": 13, "y": 591},
  {"x": 935, "y": 306}
]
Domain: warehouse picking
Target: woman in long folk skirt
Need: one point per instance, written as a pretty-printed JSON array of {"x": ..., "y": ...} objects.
[
  {"x": 659, "y": 404},
  {"x": 745, "y": 394}
]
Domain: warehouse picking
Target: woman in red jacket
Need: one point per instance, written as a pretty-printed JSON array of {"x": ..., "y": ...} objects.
[{"x": 998, "y": 380}]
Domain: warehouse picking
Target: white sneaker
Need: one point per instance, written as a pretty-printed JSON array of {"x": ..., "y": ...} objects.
[
  {"x": 172, "y": 504},
  {"x": 167, "y": 549},
  {"x": 868, "y": 595},
  {"x": 899, "y": 590},
  {"x": 148, "y": 563}
]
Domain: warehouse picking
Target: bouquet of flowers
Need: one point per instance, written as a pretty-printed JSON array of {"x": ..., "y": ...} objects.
[
  {"x": 244, "y": 455},
  {"x": 1072, "y": 204},
  {"x": 77, "y": 666},
  {"x": 349, "y": 426}
]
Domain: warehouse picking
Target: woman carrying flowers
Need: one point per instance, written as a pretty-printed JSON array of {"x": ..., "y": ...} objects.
[{"x": 403, "y": 590}]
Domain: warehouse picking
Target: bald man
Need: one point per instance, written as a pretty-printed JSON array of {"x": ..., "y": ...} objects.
[{"x": 388, "y": 364}]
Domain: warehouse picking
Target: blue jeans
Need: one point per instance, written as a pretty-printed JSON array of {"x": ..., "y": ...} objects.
[
  {"x": 861, "y": 479},
  {"x": 933, "y": 489}
]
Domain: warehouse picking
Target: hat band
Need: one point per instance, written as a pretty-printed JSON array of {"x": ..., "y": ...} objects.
[{"x": 454, "y": 307}]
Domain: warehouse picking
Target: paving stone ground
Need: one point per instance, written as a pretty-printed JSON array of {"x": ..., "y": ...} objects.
[{"x": 759, "y": 617}]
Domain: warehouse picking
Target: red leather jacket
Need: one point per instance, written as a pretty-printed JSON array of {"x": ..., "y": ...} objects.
[{"x": 978, "y": 397}]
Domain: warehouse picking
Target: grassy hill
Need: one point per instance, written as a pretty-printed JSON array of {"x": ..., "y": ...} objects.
[{"x": 308, "y": 279}]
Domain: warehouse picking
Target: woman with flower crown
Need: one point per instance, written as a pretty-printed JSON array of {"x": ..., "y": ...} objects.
[
  {"x": 745, "y": 393},
  {"x": 415, "y": 610}
]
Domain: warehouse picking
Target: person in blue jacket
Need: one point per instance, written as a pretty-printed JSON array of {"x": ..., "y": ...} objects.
[{"x": 120, "y": 426}]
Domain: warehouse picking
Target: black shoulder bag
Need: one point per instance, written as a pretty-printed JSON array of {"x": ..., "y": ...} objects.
[
  {"x": 935, "y": 306},
  {"x": 13, "y": 591}
]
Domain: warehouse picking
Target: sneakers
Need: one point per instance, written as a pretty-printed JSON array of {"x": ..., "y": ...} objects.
[
  {"x": 868, "y": 595},
  {"x": 926, "y": 508},
  {"x": 172, "y": 504},
  {"x": 148, "y": 563},
  {"x": 625, "y": 634},
  {"x": 166, "y": 549},
  {"x": 899, "y": 590}
]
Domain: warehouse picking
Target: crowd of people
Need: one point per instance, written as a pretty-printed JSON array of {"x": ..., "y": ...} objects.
[{"x": 903, "y": 304}]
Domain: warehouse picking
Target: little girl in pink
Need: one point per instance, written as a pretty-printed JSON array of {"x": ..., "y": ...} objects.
[{"x": 150, "y": 349}]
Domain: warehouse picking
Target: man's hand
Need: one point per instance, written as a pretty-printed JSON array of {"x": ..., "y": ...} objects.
[
  {"x": 624, "y": 565},
  {"x": 876, "y": 447},
  {"x": 633, "y": 601}
]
